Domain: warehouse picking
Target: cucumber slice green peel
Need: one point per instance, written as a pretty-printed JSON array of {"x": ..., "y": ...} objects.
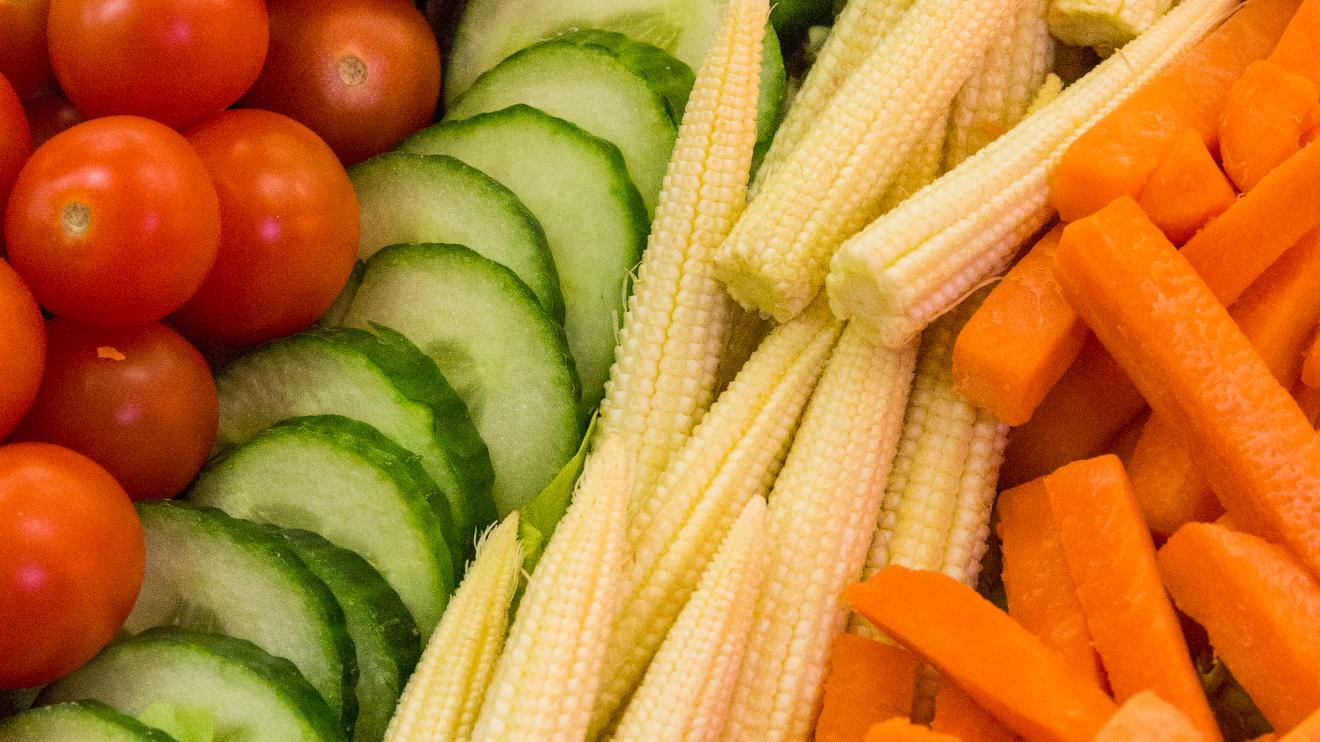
[{"x": 78, "y": 721}]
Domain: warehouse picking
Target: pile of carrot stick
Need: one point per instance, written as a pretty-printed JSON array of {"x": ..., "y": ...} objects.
[{"x": 1157, "y": 352}]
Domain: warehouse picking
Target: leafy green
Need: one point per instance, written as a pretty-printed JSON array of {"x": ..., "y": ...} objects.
[
  {"x": 183, "y": 723},
  {"x": 537, "y": 519}
]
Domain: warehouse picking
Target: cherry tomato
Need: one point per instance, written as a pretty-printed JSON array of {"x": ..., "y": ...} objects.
[
  {"x": 71, "y": 560},
  {"x": 114, "y": 222},
  {"x": 49, "y": 113},
  {"x": 22, "y": 348},
  {"x": 25, "y": 61},
  {"x": 175, "y": 61},
  {"x": 361, "y": 73},
  {"x": 289, "y": 229},
  {"x": 15, "y": 139},
  {"x": 139, "y": 401}
]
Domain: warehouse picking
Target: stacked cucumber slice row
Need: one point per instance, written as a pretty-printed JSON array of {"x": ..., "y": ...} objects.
[{"x": 290, "y": 596}]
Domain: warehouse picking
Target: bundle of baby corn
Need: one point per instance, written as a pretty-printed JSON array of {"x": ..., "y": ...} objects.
[{"x": 694, "y": 588}]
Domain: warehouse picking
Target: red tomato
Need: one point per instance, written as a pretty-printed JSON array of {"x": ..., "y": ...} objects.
[
  {"x": 175, "y": 61},
  {"x": 139, "y": 401},
  {"x": 361, "y": 73},
  {"x": 49, "y": 113},
  {"x": 25, "y": 61},
  {"x": 114, "y": 222},
  {"x": 22, "y": 348},
  {"x": 71, "y": 561},
  {"x": 289, "y": 229},
  {"x": 15, "y": 139}
]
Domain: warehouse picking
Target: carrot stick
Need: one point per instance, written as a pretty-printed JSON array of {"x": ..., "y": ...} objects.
[
  {"x": 1298, "y": 48},
  {"x": 1009, "y": 672},
  {"x": 868, "y": 682},
  {"x": 901, "y": 730},
  {"x": 1092, "y": 402},
  {"x": 1145, "y": 717},
  {"x": 1268, "y": 112},
  {"x": 1311, "y": 365},
  {"x": 1272, "y": 737},
  {"x": 1124, "y": 442},
  {"x": 1187, "y": 189},
  {"x": 1040, "y": 590},
  {"x": 1260, "y": 608},
  {"x": 1116, "y": 156},
  {"x": 1277, "y": 314},
  {"x": 1233, "y": 250},
  {"x": 1020, "y": 340},
  {"x": 1307, "y": 731},
  {"x": 1112, "y": 562},
  {"x": 957, "y": 715},
  {"x": 1308, "y": 399},
  {"x": 1194, "y": 366}
]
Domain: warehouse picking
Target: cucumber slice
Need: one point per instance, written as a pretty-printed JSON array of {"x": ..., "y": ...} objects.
[
  {"x": 209, "y": 572},
  {"x": 379, "y": 378},
  {"x": 383, "y": 632},
  {"x": 578, "y": 188},
  {"x": 346, "y": 481},
  {"x": 406, "y": 198},
  {"x": 506, "y": 358},
  {"x": 667, "y": 75},
  {"x": 255, "y": 697},
  {"x": 490, "y": 30},
  {"x": 584, "y": 85},
  {"x": 83, "y": 721}
]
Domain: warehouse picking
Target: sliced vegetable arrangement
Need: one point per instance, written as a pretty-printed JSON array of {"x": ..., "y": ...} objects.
[{"x": 681, "y": 370}]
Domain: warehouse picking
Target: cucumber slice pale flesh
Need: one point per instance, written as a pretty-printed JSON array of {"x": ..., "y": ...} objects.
[
  {"x": 77, "y": 721},
  {"x": 667, "y": 75}
]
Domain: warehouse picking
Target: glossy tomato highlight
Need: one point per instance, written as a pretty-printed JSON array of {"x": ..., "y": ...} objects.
[
  {"x": 139, "y": 401},
  {"x": 113, "y": 222},
  {"x": 289, "y": 223},
  {"x": 72, "y": 555}
]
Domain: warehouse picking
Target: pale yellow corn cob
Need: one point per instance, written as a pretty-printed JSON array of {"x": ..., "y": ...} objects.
[
  {"x": 1001, "y": 91},
  {"x": 687, "y": 689},
  {"x": 445, "y": 691},
  {"x": 677, "y": 322},
  {"x": 547, "y": 677},
  {"x": 859, "y": 29},
  {"x": 914, "y": 263},
  {"x": 833, "y": 182},
  {"x": 732, "y": 456},
  {"x": 924, "y": 164},
  {"x": 1050, "y": 88},
  {"x": 1103, "y": 23},
  {"x": 822, "y": 516}
]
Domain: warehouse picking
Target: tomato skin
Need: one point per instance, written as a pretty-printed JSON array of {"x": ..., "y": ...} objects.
[
  {"x": 289, "y": 224},
  {"x": 113, "y": 222},
  {"x": 72, "y": 555},
  {"x": 139, "y": 401},
  {"x": 22, "y": 348},
  {"x": 175, "y": 61},
  {"x": 15, "y": 138},
  {"x": 49, "y": 113},
  {"x": 25, "y": 62},
  {"x": 363, "y": 74}
]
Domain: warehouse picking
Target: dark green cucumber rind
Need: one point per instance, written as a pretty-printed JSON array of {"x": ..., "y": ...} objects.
[
  {"x": 114, "y": 672},
  {"x": 77, "y": 721},
  {"x": 334, "y": 316},
  {"x": 255, "y": 543},
  {"x": 526, "y": 458},
  {"x": 593, "y": 355},
  {"x": 518, "y": 242},
  {"x": 383, "y": 631},
  {"x": 774, "y": 83},
  {"x": 417, "y": 376},
  {"x": 792, "y": 17},
  {"x": 423, "y": 561},
  {"x": 666, "y": 74}
]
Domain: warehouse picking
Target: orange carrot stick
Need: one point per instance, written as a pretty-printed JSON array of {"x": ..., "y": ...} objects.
[
  {"x": 1298, "y": 48},
  {"x": 1187, "y": 189},
  {"x": 1009, "y": 672},
  {"x": 1268, "y": 112},
  {"x": 1308, "y": 399},
  {"x": 1311, "y": 365},
  {"x": 957, "y": 715},
  {"x": 1145, "y": 717},
  {"x": 1307, "y": 731},
  {"x": 1192, "y": 363},
  {"x": 1115, "y": 157},
  {"x": 1233, "y": 250},
  {"x": 1277, "y": 314},
  {"x": 901, "y": 730},
  {"x": 1020, "y": 340},
  {"x": 1260, "y": 608},
  {"x": 1112, "y": 562},
  {"x": 868, "y": 682},
  {"x": 1040, "y": 590},
  {"x": 1124, "y": 442}
]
